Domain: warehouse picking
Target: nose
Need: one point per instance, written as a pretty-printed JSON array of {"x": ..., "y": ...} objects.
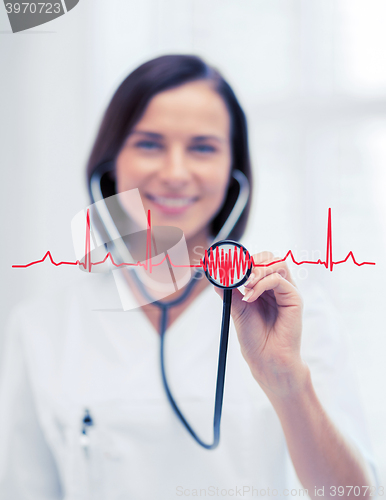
[{"x": 175, "y": 171}]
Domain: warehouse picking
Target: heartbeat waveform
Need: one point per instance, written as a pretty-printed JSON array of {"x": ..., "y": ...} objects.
[{"x": 223, "y": 264}]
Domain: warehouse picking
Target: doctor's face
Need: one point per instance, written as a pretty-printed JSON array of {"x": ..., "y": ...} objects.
[{"x": 179, "y": 157}]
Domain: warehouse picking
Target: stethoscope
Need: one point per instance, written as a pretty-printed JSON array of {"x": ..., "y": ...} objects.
[{"x": 220, "y": 275}]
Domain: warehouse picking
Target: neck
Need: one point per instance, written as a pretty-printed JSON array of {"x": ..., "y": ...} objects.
[{"x": 197, "y": 245}]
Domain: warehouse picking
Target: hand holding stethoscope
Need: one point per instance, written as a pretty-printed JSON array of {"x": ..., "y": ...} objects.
[{"x": 268, "y": 321}]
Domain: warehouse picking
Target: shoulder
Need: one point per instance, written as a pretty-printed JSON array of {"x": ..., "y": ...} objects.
[
  {"x": 42, "y": 323},
  {"x": 87, "y": 293}
]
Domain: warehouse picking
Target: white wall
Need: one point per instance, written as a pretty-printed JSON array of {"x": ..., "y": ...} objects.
[{"x": 312, "y": 78}]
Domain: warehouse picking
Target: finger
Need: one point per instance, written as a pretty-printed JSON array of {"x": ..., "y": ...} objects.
[
  {"x": 285, "y": 292},
  {"x": 236, "y": 299},
  {"x": 260, "y": 257},
  {"x": 219, "y": 291},
  {"x": 237, "y": 305},
  {"x": 267, "y": 268}
]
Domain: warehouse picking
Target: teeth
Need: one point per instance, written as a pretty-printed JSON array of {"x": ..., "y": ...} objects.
[{"x": 172, "y": 202}]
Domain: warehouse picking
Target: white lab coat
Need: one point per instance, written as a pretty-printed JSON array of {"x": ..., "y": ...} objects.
[{"x": 79, "y": 350}]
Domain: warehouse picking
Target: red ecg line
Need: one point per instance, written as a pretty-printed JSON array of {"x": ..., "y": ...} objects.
[
  {"x": 216, "y": 263},
  {"x": 221, "y": 263}
]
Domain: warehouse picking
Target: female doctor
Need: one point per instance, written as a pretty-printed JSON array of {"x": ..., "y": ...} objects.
[{"x": 83, "y": 413}]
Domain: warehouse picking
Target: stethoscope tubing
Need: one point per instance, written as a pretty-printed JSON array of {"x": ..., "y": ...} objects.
[
  {"x": 96, "y": 195},
  {"x": 222, "y": 357}
]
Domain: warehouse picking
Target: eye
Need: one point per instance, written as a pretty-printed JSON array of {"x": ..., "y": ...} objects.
[
  {"x": 203, "y": 148},
  {"x": 148, "y": 145}
]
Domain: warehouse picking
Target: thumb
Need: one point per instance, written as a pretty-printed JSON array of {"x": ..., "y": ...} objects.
[
  {"x": 219, "y": 291},
  {"x": 238, "y": 306}
]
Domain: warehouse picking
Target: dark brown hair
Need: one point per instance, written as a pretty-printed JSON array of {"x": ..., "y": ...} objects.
[{"x": 130, "y": 101}]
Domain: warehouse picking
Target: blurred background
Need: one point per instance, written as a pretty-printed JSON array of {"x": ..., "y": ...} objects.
[{"x": 311, "y": 77}]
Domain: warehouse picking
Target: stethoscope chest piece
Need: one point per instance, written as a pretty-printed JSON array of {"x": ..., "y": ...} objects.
[{"x": 227, "y": 264}]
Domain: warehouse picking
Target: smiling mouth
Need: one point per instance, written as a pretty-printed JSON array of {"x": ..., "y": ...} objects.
[{"x": 172, "y": 202}]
